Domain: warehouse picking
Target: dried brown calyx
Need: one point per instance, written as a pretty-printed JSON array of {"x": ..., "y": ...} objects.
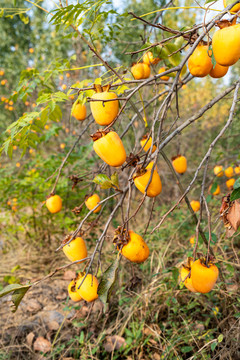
[
  {"x": 75, "y": 180},
  {"x": 132, "y": 160},
  {"x": 99, "y": 134},
  {"x": 225, "y": 23},
  {"x": 139, "y": 171},
  {"x": 188, "y": 264},
  {"x": 207, "y": 260},
  {"x": 77, "y": 210},
  {"x": 68, "y": 237},
  {"x": 176, "y": 157},
  {"x": 121, "y": 237}
]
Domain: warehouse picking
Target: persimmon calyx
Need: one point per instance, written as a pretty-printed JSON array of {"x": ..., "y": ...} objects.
[
  {"x": 206, "y": 261},
  {"x": 223, "y": 23},
  {"x": 99, "y": 88},
  {"x": 99, "y": 134},
  {"x": 121, "y": 237}
]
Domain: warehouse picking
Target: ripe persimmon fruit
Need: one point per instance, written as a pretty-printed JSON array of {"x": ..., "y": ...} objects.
[
  {"x": 146, "y": 144},
  {"x": 200, "y": 63},
  {"x": 76, "y": 249},
  {"x": 203, "y": 276},
  {"x": 142, "y": 178},
  {"x": 104, "y": 112},
  {"x": 229, "y": 172},
  {"x": 234, "y": 9},
  {"x": 179, "y": 163},
  {"x": 184, "y": 272},
  {"x": 136, "y": 250},
  {"x": 79, "y": 112},
  {"x": 72, "y": 292},
  {"x": 218, "y": 71},
  {"x": 195, "y": 205},
  {"x": 230, "y": 183},
  {"x": 109, "y": 148},
  {"x": 148, "y": 58},
  {"x": 92, "y": 201},
  {"x": 88, "y": 289},
  {"x": 54, "y": 204},
  {"x": 140, "y": 71},
  {"x": 237, "y": 170},
  {"x": 164, "y": 77},
  {"x": 218, "y": 171},
  {"x": 226, "y": 44}
]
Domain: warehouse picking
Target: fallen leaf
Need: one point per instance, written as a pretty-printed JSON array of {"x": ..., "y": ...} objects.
[
  {"x": 69, "y": 275},
  {"x": 53, "y": 325},
  {"x": 114, "y": 342},
  {"x": 42, "y": 345},
  {"x": 29, "y": 338},
  {"x": 233, "y": 215},
  {"x": 33, "y": 306}
]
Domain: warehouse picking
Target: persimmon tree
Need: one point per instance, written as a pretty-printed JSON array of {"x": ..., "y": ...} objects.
[{"x": 146, "y": 127}]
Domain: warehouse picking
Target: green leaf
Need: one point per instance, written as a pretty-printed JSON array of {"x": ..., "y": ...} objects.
[
  {"x": 24, "y": 19},
  {"x": 107, "y": 282},
  {"x": 220, "y": 338},
  {"x": 208, "y": 198},
  {"x": 103, "y": 180},
  {"x": 213, "y": 345},
  {"x": 235, "y": 194},
  {"x": 236, "y": 184},
  {"x": 214, "y": 237},
  {"x": 18, "y": 292},
  {"x": 213, "y": 187},
  {"x": 114, "y": 179}
]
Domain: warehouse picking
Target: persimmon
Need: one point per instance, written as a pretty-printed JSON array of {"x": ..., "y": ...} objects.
[
  {"x": 203, "y": 276},
  {"x": 76, "y": 249},
  {"x": 192, "y": 240},
  {"x": 64, "y": 86},
  {"x": 92, "y": 201},
  {"x": 3, "y": 82},
  {"x": 141, "y": 180},
  {"x": 136, "y": 250},
  {"x": 109, "y": 148},
  {"x": 226, "y": 44},
  {"x": 140, "y": 71},
  {"x": 180, "y": 164},
  {"x": 185, "y": 270},
  {"x": 146, "y": 144},
  {"x": 31, "y": 50},
  {"x": 164, "y": 77},
  {"x": 216, "y": 192},
  {"x": 79, "y": 112},
  {"x": 54, "y": 204},
  {"x": 72, "y": 292},
  {"x": 62, "y": 146},
  {"x": 218, "y": 171},
  {"x": 88, "y": 289},
  {"x": 218, "y": 71},
  {"x": 146, "y": 71},
  {"x": 195, "y": 205},
  {"x": 104, "y": 112},
  {"x": 234, "y": 9},
  {"x": 230, "y": 183},
  {"x": 200, "y": 63},
  {"x": 229, "y": 172},
  {"x": 237, "y": 170},
  {"x": 148, "y": 58},
  {"x": 2, "y": 72}
]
